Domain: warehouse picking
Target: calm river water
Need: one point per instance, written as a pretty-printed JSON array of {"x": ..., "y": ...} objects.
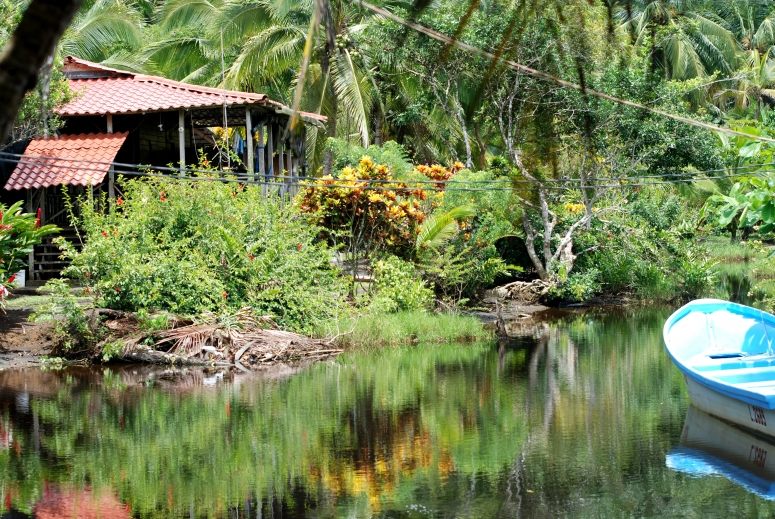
[{"x": 579, "y": 420}]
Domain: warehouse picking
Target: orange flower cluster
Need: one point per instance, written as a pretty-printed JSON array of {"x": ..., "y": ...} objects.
[{"x": 439, "y": 172}]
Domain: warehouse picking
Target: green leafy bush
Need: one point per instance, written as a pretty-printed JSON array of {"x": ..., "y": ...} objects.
[
  {"x": 641, "y": 248},
  {"x": 398, "y": 287},
  {"x": 19, "y": 233},
  {"x": 391, "y": 154},
  {"x": 578, "y": 287},
  {"x": 72, "y": 331},
  {"x": 193, "y": 247}
]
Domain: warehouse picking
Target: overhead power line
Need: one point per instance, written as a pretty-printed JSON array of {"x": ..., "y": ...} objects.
[
  {"x": 530, "y": 71},
  {"x": 431, "y": 186},
  {"x": 100, "y": 166}
]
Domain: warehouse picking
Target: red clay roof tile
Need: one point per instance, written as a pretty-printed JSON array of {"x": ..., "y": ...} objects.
[
  {"x": 103, "y": 90},
  {"x": 82, "y": 159}
]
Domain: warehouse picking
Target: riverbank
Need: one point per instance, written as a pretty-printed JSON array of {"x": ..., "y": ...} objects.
[{"x": 237, "y": 341}]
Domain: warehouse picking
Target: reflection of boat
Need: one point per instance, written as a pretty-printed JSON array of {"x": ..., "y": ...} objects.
[
  {"x": 712, "y": 447},
  {"x": 725, "y": 351}
]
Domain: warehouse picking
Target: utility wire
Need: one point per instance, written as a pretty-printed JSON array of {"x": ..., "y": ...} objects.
[
  {"x": 530, "y": 71},
  {"x": 451, "y": 185},
  {"x": 100, "y": 166}
]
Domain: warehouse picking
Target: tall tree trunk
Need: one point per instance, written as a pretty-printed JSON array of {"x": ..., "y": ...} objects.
[{"x": 32, "y": 43}]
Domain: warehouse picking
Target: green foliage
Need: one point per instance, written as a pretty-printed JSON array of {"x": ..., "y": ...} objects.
[
  {"x": 73, "y": 332},
  {"x": 466, "y": 261},
  {"x": 194, "y": 247},
  {"x": 150, "y": 323},
  {"x": 112, "y": 349},
  {"x": 578, "y": 287},
  {"x": 19, "y": 233},
  {"x": 398, "y": 287},
  {"x": 376, "y": 329},
  {"x": 642, "y": 249},
  {"x": 391, "y": 154}
]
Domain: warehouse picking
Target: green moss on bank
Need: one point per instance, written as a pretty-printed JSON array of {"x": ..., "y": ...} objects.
[{"x": 406, "y": 327}]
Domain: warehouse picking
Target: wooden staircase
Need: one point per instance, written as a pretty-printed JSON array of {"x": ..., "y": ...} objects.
[{"x": 47, "y": 260}]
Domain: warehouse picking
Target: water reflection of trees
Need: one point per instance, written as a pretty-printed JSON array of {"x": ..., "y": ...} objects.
[{"x": 576, "y": 422}]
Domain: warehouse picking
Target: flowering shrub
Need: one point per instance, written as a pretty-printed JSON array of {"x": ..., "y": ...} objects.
[
  {"x": 19, "y": 233},
  {"x": 191, "y": 247},
  {"x": 368, "y": 209}
]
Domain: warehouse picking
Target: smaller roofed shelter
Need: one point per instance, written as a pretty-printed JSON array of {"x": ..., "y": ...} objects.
[{"x": 118, "y": 120}]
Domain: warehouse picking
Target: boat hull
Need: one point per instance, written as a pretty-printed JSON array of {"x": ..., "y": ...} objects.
[{"x": 746, "y": 415}]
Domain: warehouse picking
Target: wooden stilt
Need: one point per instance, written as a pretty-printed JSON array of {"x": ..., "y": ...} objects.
[
  {"x": 249, "y": 138},
  {"x": 182, "y": 140},
  {"x": 111, "y": 171},
  {"x": 270, "y": 150}
]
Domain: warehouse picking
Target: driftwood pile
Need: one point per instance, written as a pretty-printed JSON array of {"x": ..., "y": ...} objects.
[
  {"x": 241, "y": 340},
  {"x": 526, "y": 292}
]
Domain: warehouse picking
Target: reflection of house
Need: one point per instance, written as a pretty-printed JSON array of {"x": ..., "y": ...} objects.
[{"x": 129, "y": 119}]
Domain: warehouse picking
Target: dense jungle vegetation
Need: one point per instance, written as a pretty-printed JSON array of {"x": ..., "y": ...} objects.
[{"x": 442, "y": 170}]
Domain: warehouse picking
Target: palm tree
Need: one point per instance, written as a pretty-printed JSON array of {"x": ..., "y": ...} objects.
[
  {"x": 752, "y": 23},
  {"x": 686, "y": 42},
  {"x": 752, "y": 84},
  {"x": 104, "y": 31}
]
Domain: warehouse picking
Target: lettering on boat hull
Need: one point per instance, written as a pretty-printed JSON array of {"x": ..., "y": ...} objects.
[{"x": 757, "y": 415}]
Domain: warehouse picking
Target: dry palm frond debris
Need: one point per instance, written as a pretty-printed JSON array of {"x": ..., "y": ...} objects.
[{"x": 240, "y": 339}]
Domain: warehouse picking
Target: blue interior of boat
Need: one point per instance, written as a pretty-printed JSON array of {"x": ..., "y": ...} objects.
[{"x": 728, "y": 347}]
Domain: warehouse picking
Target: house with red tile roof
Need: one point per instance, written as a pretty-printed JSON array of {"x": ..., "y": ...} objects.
[{"x": 120, "y": 122}]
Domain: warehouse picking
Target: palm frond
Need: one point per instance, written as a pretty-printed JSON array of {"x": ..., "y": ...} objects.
[
  {"x": 438, "y": 229},
  {"x": 188, "y": 13},
  {"x": 353, "y": 91},
  {"x": 108, "y": 26},
  {"x": 266, "y": 54},
  {"x": 764, "y": 37}
]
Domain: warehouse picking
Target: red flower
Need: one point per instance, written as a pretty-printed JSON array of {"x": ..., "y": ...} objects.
[
  {"x": 119, "y": 201},
  {"x": 298, "y": 246},
  {"x": 12, "y": 278},
  {"x": 104, "y": 234}
]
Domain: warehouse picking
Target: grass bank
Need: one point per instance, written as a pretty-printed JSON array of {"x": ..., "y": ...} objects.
[
  {"x": 745, "y": 271},
  {"x": 408, "y": 327}
]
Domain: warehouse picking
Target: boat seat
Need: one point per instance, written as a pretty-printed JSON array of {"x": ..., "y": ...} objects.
[
  {"x": 764, "y": 386},
  {"x": 745, "y": 375},
  {"x": 708, "y": 363}
]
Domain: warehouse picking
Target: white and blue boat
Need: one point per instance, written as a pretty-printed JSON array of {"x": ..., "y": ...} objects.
[{"x": 727, "y": 356}]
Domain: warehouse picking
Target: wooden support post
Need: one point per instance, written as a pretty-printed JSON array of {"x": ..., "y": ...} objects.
[
  {"x": 249, "y": 143},
  {"x": 270, "y": 151},
  {"x": 111, "y": 171},
  {"x": 261, "y": 159},
  {"x": 182, "y": 140},
  {"x": 281, "y": 157},
  {"x": 281, "y": 162},
  {"x": 291, "y": 180}
]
